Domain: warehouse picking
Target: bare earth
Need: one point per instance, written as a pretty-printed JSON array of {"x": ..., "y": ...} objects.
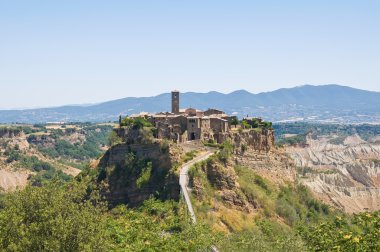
[
  {"x": 345, "y": 175},
  {"x": 12, "y": 180}
]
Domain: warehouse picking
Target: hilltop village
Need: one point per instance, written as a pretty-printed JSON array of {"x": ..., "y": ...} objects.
[{"x": 182, "y": 125}]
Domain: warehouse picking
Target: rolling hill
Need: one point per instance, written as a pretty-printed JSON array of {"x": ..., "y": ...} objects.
[{"x": 327, "y": 103}]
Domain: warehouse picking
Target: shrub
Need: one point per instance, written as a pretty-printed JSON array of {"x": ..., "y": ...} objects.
[
  {"x": 226, "y": 150},
  {"x": 261, "y": 182},
  {"x": 145, "y": 175},
  {"x": 286, "y": 211},
  {"x": 113, "y": 139},
  {"x": 135, "y": 123},
  {"x": 53, "y": 218}
]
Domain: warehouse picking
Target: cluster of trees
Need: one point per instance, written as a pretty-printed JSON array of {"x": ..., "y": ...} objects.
[
  {"x": 68, "y": 217},
  {"x": 96, "y": 137},
  {"x": 135, "y": 123},
  {"x": 44, "y": 170},
  {"x": 360, "y": 232},
  {"x": 365, "y": 131},
  {"x": 293, "y": 140},
  {"x": 53, "y": 217}
]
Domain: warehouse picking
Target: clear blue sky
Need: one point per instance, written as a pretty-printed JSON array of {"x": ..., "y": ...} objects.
[{"x": 78, "y": 51}]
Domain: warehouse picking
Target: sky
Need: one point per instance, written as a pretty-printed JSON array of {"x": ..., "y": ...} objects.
[{"x": 87, "y": 51}]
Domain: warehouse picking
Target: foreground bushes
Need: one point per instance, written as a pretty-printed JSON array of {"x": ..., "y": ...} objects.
[
  {"x": 53, "y": 218},
  {"x": 67, "y": 217},
  {"x": 360, "y": 232}
]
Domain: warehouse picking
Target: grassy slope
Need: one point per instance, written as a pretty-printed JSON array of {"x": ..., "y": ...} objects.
[{"x": 271, "y": 224}]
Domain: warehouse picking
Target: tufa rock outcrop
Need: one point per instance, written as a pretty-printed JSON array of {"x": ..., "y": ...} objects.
[
  {"x": 133, "y": 171},
  {"x": 257, "y": 139}
]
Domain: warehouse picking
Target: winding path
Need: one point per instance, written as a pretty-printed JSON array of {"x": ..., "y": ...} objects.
[{"x": 184, "y": 181}]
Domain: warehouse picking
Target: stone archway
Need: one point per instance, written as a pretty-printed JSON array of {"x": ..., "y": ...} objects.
[{"x": 192, "y": 136}]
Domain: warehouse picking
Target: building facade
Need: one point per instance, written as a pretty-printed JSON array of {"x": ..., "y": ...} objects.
[{"x": 189, "y": 124}]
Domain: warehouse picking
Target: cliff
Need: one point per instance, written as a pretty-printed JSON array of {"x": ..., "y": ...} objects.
[
  {"x": 257, "y": 139},
  {"x": 141, "y": 165},
  {"x": 345, "y": 174},
  {"x": 131, "y": 173},
  {"x": 6, "y": 132}
]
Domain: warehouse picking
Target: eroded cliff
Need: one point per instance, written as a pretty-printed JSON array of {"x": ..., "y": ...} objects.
[{"x": 346, "y": 173}]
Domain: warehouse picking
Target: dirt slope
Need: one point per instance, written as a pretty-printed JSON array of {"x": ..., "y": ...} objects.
[{"x": 345, "y": 174}]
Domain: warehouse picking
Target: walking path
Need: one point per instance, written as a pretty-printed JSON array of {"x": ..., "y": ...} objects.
[{"x": 184, "y": 181}]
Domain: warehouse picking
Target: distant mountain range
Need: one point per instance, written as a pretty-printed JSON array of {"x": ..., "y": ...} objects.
[{"x": 328, "y": 103}]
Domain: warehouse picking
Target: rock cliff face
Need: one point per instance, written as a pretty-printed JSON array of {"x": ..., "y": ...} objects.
[
  {"x": 10, "y": 133},
  {"x": 223, "y": 179},
  {"x": 120, "y": 172},
  {"x": 41, "y": 140},
  {"x": 346, "y": 175},
  {"x": 131, "y": 173},
  {"x": 259, "y": 140}
]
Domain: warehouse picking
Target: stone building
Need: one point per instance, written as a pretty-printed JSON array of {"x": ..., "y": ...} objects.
[{"x": 189, "y": 124}]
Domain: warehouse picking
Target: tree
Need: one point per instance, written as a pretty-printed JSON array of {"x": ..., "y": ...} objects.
[
  {"x": 234, "y": 121},
  {"x": 54, "y": 217},
  {"x": 245, "y": 124},
  {"x": 113, "y": 139}
]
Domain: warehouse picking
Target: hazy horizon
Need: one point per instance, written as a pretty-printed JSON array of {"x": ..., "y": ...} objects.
[
  {"x": 59, "y": 53},
  {"x": 168, "y": 91}
]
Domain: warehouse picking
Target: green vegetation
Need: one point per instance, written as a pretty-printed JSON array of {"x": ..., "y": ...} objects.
[
  {"x": 10, "y": 130},
  {"x": 266, "y": 236},
  {"x": 66, "y": 217},
  {"x": 44, "y": 171},
  {"x": 293, "y": 205},
  {"x": 255, "y": 123},
  {"x": 359, "y": 232},
  {"x": 245, "y": 125},
  {"x": 189, "y": 156},
  {"x": 60, "y": 213},
  {"x": 234, "y": 121},
  {"x": 365, "y": 131},
  {"x": 62, "y": 145},
  {"x": 96, "y": 137},
  {"x": 158, "y": 226},
  {"x": 145, "y": 175},
  {"x": 211, "y": 143},
  {"x": 293, "y": 140},
  {"x": 54, "y": 217},
  {"x": 113, "y": 138},
  {"x": 225, "y": 152},
  {"x": 135, "y": 123}
]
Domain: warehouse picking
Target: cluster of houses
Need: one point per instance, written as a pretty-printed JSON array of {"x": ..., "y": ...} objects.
[{"x": 181, "y": 125}]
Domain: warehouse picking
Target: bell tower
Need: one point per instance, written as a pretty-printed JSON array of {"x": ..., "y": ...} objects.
[{"x": 175, "y": 102}]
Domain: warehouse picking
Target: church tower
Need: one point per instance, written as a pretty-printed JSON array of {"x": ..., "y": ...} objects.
[{"x": 175, "y": 102}]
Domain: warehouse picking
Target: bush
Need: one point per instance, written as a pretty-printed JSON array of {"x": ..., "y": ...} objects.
[
  {"x": 13, "y": 155},
  {"x": 286, "y": 211},
  {"x": 135, "y": 123},
  {"x": 261, "y": 182},
  {"x": 359, "y": 232},
  {"x": 53, "y": 218},
  {"x": 145, "y": 175},
  {"x": 226, "y": 150},
  {"x": 113, "y": 139}
]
